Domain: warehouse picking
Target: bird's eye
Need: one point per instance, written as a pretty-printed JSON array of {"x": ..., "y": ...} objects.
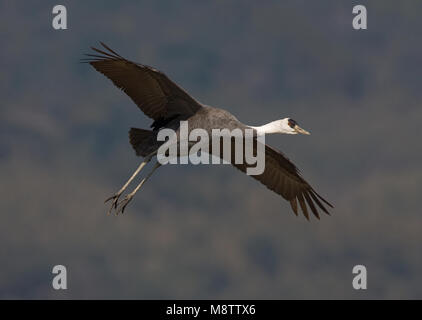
[{"x": 292, "y": 123}]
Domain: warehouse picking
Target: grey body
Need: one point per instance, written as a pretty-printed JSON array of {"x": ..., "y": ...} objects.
[
  {"x": 209, "y": 118},
  {"x": 206, "y": 118}
]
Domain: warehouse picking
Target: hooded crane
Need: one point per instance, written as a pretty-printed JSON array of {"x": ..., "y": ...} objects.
[{"x": 167, "y": 104}]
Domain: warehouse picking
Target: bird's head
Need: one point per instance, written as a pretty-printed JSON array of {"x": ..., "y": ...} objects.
[{"x": 289, "y": 126}]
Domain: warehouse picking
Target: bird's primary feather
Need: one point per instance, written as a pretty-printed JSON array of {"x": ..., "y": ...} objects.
[{"x": 151, "y": 90}]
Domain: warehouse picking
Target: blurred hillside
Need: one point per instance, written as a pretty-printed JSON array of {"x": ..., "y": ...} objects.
[{"x": 209, "y": 231}]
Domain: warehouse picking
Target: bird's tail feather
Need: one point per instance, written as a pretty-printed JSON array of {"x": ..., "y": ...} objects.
[{"x": 143, "y": 141}]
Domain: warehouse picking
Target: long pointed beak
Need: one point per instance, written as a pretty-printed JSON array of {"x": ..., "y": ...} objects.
[{"x": 300, "y": 130}]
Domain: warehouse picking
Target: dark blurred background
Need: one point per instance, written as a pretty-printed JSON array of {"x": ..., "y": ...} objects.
[{"x": 210, "y": 231}]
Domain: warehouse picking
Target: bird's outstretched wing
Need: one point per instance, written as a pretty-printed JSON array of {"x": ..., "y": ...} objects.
[
  {"x": 283, "y": 177},
  {"x": 151, "y": 90}
]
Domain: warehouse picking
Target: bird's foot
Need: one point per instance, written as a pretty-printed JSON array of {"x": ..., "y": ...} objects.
[
  {"x": 122, "y": 204},
  {"x": 114, "y": 204}
]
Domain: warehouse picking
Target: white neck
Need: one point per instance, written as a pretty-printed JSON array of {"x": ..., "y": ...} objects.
[{"x": 269, "y": 128}]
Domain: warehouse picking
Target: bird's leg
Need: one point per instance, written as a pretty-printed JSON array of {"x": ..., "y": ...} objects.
[
  {"x": 117, "y": 195},
  {"x": 128, "y": 198}
]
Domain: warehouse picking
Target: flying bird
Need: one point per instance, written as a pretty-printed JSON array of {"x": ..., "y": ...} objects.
[{"x": 167, "y": 104}]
